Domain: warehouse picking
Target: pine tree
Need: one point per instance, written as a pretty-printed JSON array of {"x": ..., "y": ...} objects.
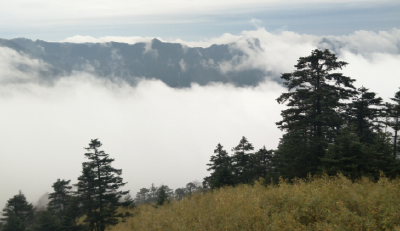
[
  {"x": 294, "y": 157},
  {"x": 315, "y": 113},
  {"x": 17, "y": 214},
  {"x": 86, "y": 192},
  {"x": 222, "y": 172},
  {"x": 240, "y": 161},
  {"x": 72, "y": 214},
  {"x": 261, "y": 164},
  {"x": 364, "y": 112},
  {"x": 380, "y": 158},
  {"x": 46, "y": 221},
  {"x": 346, "y": 156},
  {"x": 394, "y": 123},
  {"x": 162, "y": 196},
  {"x": 98, "y": 188},
  {"x": 59, "y": 199},
  {"x": 353, "y": 158}
]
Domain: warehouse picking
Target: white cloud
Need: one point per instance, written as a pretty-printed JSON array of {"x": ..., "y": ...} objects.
[
  {"x": 158, "y": 134},
  {"x": 367, "y": 42},
  {"x": 11, "y": 63},
  {"x": 378, "y": 72},
  {"x": 255, "y": 22},
  {"x": 182, "y": 64},
  {"x": 150, "y": 51},
  {"x": 47, "y": 11},
  {"x": 105, "y": 39}
]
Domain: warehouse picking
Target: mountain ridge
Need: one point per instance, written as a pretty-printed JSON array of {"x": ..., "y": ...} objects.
[{"x": 176, "y": 65}]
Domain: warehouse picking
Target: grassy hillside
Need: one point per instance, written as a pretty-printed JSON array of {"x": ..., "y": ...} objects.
[{"x": 316, "y": 204}]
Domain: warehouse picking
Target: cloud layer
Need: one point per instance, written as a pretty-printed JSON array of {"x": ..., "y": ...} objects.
[
  {"x": 159, "y": 134},
  {"x": 156, "y": 134},
  {"x": 366, "y": 52}
]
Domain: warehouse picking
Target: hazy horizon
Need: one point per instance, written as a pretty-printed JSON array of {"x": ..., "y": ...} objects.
[{"x": 158, "y": 134}]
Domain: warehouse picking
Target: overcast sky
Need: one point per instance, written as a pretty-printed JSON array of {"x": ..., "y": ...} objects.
[
  {"x": 191, "y": 19},
  {"x": 158, "y": 134}
]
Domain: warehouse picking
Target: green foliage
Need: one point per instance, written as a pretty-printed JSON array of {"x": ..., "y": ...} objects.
[
  {"x": 393, "y": 112},
  {"x": 345, "y": 156},
  {"x": 17, "y": 214},
  {"x": 59, "y": 199},
  {"x": 72, "y": 214},
  {"x": 364, "y": 112},
  {"x": 261, "y": 164},
  {"x": 162, "y": 196},
  {"x": 222, "y": 170},
  {"x": 46, "y": 221},
  {"x": 315, "y": 101},
  {"x": 240, "y": 161},
  {"x": 98, "y": 189},
  {"x": 13, "y": 223}
]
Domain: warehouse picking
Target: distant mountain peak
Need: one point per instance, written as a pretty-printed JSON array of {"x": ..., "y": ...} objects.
[{"x": 173, "y": 63}]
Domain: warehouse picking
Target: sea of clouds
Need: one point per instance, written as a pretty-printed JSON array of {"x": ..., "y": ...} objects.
[{"x": 158, "y": 134}]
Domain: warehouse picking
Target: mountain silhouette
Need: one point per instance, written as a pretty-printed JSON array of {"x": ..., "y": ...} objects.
[{"x": 176, "y": 65}]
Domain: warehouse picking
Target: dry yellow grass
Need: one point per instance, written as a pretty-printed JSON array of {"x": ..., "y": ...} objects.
[{"x": 325, "y": 203}]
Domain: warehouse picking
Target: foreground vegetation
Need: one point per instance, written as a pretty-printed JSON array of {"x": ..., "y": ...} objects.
[
  {"x": 323, "y": 203},
  {"x": 330, "y": 127}
]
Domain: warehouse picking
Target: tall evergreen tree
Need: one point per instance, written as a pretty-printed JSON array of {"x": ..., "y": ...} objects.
[
  {"x": 162, "y": 196},
  {"x": 241, "y": 160},
  {"x": 86, "y": 191},
  {"x": 17, "y": 214},
  {"x": 261, "y": 164},
  {"x": 59, "y": 199},
  {"x": 364, "y": 112},
  {"x": 346, "y": 155},
  {"x": 98, "y": 187},
  {"x": 380, "y": 158},
  {"x": 315, "y": 101},
  {"x": 46, "y": 221},
  {"x": 394, "y": 122},
  {"x": 353, "y": 158},
  {"x": 222, "y": 172},
  {"x": 73, "y": 212}
]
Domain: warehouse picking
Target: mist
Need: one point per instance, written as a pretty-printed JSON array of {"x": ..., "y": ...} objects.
[
  {"x": 155, "y": 133},
  {"x": 159, "y": 134}
]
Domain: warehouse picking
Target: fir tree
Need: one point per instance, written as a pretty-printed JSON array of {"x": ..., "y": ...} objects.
[
  {"x": 394, "y": 122},
  {"x": 72, "y": 214},
  {"x": 346, "y": 155},
  {"x": 240, "y": 161},
  {"x": 86, "y": 192},
  {"x": 315, "y": 113},
  {"x": 162, "y": 196},
  {"x": 353, "y": 158},
  {"x": 222, "y": 172},
  {"x": 98, "y": 188},
  {"x": 294, "y": 157},
  {"x": 364, "y": 112},
  {"x": 380, "y": 158},
  {"x": 59, "y": 199},
  {"x": 17, "y": 214},
  {"x": 46, "y": 221},
  {"x": 261, "y": 164}
]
